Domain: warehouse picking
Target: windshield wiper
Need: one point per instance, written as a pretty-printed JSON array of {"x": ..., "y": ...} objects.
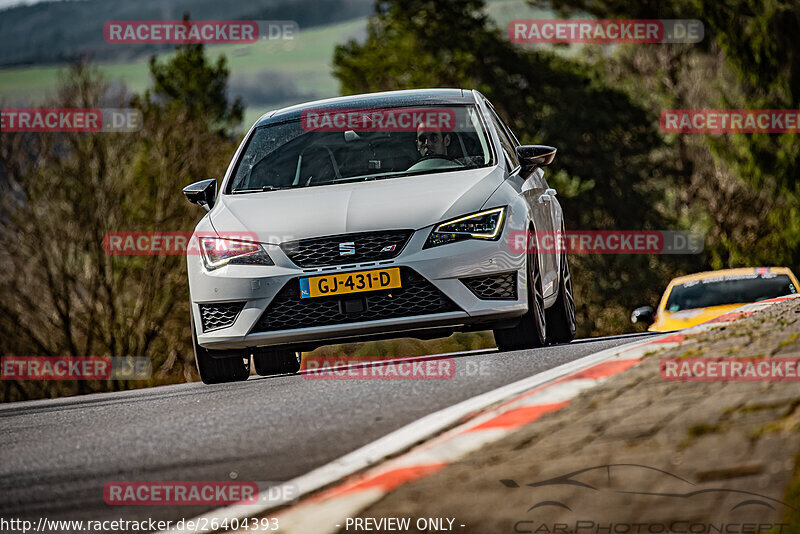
[
  {"x": 258, "y": 189},
  {"x": 368, "y": 178}
]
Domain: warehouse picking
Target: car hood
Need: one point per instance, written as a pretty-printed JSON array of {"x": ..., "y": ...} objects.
[
  {"x": 410, "y": 202},
  {"x": 668, "y": 321}
]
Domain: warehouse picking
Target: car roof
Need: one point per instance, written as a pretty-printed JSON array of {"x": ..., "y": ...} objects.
[
  {"x": 387, "y": 99},
  {"x": 729, "y": 272}
]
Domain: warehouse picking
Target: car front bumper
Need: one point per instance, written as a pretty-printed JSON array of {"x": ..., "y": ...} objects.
[{"x": 444, "y": 266}]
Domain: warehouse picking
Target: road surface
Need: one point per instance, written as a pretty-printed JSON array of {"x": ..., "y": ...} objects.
[{"x": 57, "y": 455}]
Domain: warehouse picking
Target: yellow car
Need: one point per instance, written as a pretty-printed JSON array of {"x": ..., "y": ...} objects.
[{"x": 697, "y": 298}]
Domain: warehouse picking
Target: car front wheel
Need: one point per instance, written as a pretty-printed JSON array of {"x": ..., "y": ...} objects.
[
  {"x": 561, "y": 325},
  {"x": 224, "y": 366},
  {"x": 269, "y": 361},
  {"x": 531, "y": 330}
]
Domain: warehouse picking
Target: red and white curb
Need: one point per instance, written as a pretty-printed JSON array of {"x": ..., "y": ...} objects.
[
  {"x": 327, "y": 511},
  {"x": 459, "y": 429}
]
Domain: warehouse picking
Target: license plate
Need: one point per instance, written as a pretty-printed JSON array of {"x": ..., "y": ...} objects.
[{"x": 344, "y": 283}]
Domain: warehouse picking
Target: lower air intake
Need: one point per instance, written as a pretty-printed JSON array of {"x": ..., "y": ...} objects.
[
  {"x": 216, "y": 316},
  {"x": 501, "y": 286}
]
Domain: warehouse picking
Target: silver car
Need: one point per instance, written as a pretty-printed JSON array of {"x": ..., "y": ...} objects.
[{"x": 395, "y": 214}]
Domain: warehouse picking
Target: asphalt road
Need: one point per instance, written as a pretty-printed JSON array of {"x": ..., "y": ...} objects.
[{"x": 57, "y": 455}]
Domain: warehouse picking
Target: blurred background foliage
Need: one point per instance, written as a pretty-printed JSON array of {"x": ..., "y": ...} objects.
[{"x": 599, "y": 104}]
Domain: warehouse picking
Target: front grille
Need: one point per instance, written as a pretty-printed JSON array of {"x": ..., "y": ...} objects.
[
  {"x": 417, "y": 296},
  {"x": 215, "y": 316},
  {"x": 493, "y": 287},
  {"x": 369, "y": 246}
]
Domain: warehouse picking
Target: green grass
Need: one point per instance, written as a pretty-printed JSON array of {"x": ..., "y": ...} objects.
[
  {"x": 504, "y": 11},
  {"x": 32, "y": 85},
  {"x": 787, "y": 342},
  {"x": 702, "y": 429},
  {"x": 307, "y": 58}
]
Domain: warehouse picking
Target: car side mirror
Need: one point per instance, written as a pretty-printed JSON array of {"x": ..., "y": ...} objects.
[
  {"x": 202, "y": 193},
  {"x": 645, "y": 314},
  {"x": 532, "y": 157}
]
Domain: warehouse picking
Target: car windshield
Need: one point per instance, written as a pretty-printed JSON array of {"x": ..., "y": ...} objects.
[
  {"x": 719, "y": 291},
  {"x": 334, "y": 146}
]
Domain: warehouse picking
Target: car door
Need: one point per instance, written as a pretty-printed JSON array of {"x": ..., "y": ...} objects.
[{"x": 540, "y": 198}]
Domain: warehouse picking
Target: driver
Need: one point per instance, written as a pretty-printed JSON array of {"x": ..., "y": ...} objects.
[{"x": 431, "y": 142}]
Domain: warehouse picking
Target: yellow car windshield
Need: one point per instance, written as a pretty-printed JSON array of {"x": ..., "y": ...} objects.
[{"x": 722, "y": 290}]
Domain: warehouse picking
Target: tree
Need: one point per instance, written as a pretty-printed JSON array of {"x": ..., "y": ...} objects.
[
  {"x": 744, "y": 187},
  {"x": 68, "y": 296},
  {"x": 189, "y": 84}
]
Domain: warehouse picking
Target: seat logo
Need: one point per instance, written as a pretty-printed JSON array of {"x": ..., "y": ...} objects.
[{"x": 348, "y": 248}]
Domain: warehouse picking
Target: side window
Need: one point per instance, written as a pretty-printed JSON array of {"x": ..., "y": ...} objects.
[{"x": 506, "y": 141}]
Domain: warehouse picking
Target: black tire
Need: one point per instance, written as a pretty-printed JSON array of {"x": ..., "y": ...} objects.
[
  {"x": 531, "y": 330},
  {"x": 269, "y": 361},
  {"x": 224, "y": 366},
  {"x": 561, "y": 324}
]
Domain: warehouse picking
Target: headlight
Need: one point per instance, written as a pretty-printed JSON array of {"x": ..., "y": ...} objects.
[
  {"x": 219, "y": 252},
  {"x": 482, "y": 225}
]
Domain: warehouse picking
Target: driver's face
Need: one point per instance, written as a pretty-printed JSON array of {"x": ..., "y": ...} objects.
[{"x": 431, "y": 142}]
